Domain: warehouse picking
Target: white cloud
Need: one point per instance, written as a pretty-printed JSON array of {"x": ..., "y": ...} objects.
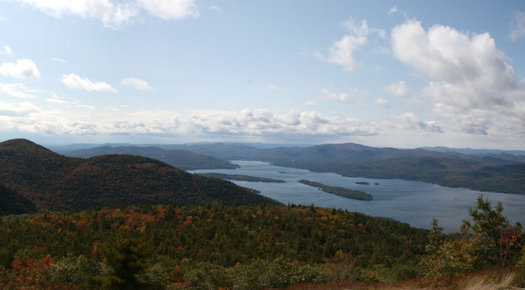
[
  {"x": 22, "y": 69},
  {"x": 342, "y": 51},
  {"x": 340, "y": 97},
  {"x": 398, "y": 89},
  {"x": 409, "y": 122},
  {"x": 6, "y": 50},
  {"x": 274, "y": 88},
  {"x": 61, "y": 60},
  {"x": 111, "y": 15},
  {"x": 305, "y": 51},
  {"x": 190, "y": 124},
  {"x": 136, "y": 83},
  {"x": 17, "y": 90},
  {"x": 74, "y": 81},
  {"x": 382, "y": 102},
  {"x": 215, "y": 8},
  {"x": 393, "y": 10},
  {"x": 56, "y": 101},
  {"x": 16, "y": 109},
  {"x": 170, "y": 9},
  {"x": 471, "y": 85},
  {"x": 309, "y": 103},
  {"x": 517, "y": 25}
]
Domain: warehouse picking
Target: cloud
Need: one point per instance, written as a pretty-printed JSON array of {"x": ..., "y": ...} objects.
[
  {"x": 309, "y": 103},
  {"x": 111, "y": 15},
  {"x": 17, "y": 90},
  {"x": 517, "y": 25},
  {"x": 56, "y": 101},
  {"x": 136, "y": 83},
  {"x": 340, "y": 97},
  {"x": 409, "y": 122},
  {"x": 6, "y": 50},
  {"x": 342, "y": 52},
  {"x": 16, "y": 109},
  {"x": 215, "y": 8},
  {"x": 471, "y": 84},
  {"x": 170, "y": 9},
  {"x": 114, "y": 14},
  {"x": 393, "y": 10},
  {"x": 22, "y": 69},
  {"x": 189, "y": 124},
  {"x": 398, "y": 89},
  {"x": 274, "y": 88},
  {"x": 74, "y": 81},
  {"x": 61, "y": 60},
  {"x": 382, "y": 102}
]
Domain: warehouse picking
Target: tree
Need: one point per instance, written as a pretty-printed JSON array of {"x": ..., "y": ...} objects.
[
  {"x": 496, "y": 241},
  {"x": 125, "y": 256}
]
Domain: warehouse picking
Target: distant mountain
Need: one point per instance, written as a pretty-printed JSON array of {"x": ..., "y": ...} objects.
[
  {"x": 52, "y": 181},
  {"x": 182, "y": 159},
  {"x": 476, "y": 151},
  {"x": 13, "y": 203},
  {"x": 501, "y": 172}
]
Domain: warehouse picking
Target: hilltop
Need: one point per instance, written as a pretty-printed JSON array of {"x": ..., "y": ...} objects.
[{"x": 56, "y": 182}]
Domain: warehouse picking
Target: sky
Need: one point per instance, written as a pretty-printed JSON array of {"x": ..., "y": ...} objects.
[{"x": 400, "y": 74}]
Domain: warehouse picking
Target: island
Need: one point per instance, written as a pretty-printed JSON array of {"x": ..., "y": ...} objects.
[
  {"x": 362, "y": 182},
  {"x": 340, "y": 191},
  {"x": 240, "y": 177}
]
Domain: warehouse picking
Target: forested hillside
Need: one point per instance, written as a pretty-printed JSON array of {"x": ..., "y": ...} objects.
[
  {"x": 211, "y": 246},
  {"x": 52, "y": 181},
  {"x": 13, "y": 203},
  {"x": 257, "y": 247}
]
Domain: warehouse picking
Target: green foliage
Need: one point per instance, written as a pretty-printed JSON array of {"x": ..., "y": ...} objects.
[
  {"x": 227, "y": 246},
  {"x": 489, "y": 241},
  {"x": 125, "y": 254},
  {"x": 74, "y": 269},
  {"x": 496, "y": 241},
  {"x": 56, "y": 182},
  {"x": 12, "y": 202}
]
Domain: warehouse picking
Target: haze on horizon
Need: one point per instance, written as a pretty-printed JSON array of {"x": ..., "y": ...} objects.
[{"x": 399, "y": 74}]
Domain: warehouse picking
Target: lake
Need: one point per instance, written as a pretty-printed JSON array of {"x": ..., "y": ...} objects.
[{"x": 413, "y": 202}]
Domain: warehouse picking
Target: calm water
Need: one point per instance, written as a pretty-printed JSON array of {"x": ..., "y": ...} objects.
[{"x": 412, "y": 202}]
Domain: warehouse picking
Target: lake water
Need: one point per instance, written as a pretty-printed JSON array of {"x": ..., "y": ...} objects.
[{"x": 415, "y": 203}]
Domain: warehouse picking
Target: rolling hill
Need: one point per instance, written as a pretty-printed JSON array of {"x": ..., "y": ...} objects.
[
  {"x": 493, "y": 171},
  {"x": 183, "y": 159},
  {"x": 55, "y": 182}
]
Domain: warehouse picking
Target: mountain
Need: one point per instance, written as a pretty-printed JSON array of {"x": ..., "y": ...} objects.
[
  {"x": 57, "y": 182},
  {"x": 182, "y": 159},
  {"x": 502, "y": 172},
  {"x": 13, "y": 203}
]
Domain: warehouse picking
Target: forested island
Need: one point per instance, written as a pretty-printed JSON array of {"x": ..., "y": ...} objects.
[
  {"x": 340, "y": 191},
  {"x": 240, "y": 177}
]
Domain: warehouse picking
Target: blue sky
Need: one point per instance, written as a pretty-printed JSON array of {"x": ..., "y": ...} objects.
[{"x": 381, "y": 73}]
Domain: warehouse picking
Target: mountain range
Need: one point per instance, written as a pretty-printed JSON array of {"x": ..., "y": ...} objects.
[
  {"x": 182, "y": 159},
  {"x": 56, "y": 182},
  {"x": 484, "y": 170}
]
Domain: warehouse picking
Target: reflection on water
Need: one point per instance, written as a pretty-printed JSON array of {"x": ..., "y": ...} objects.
[{"x": 412, "y": 202}]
